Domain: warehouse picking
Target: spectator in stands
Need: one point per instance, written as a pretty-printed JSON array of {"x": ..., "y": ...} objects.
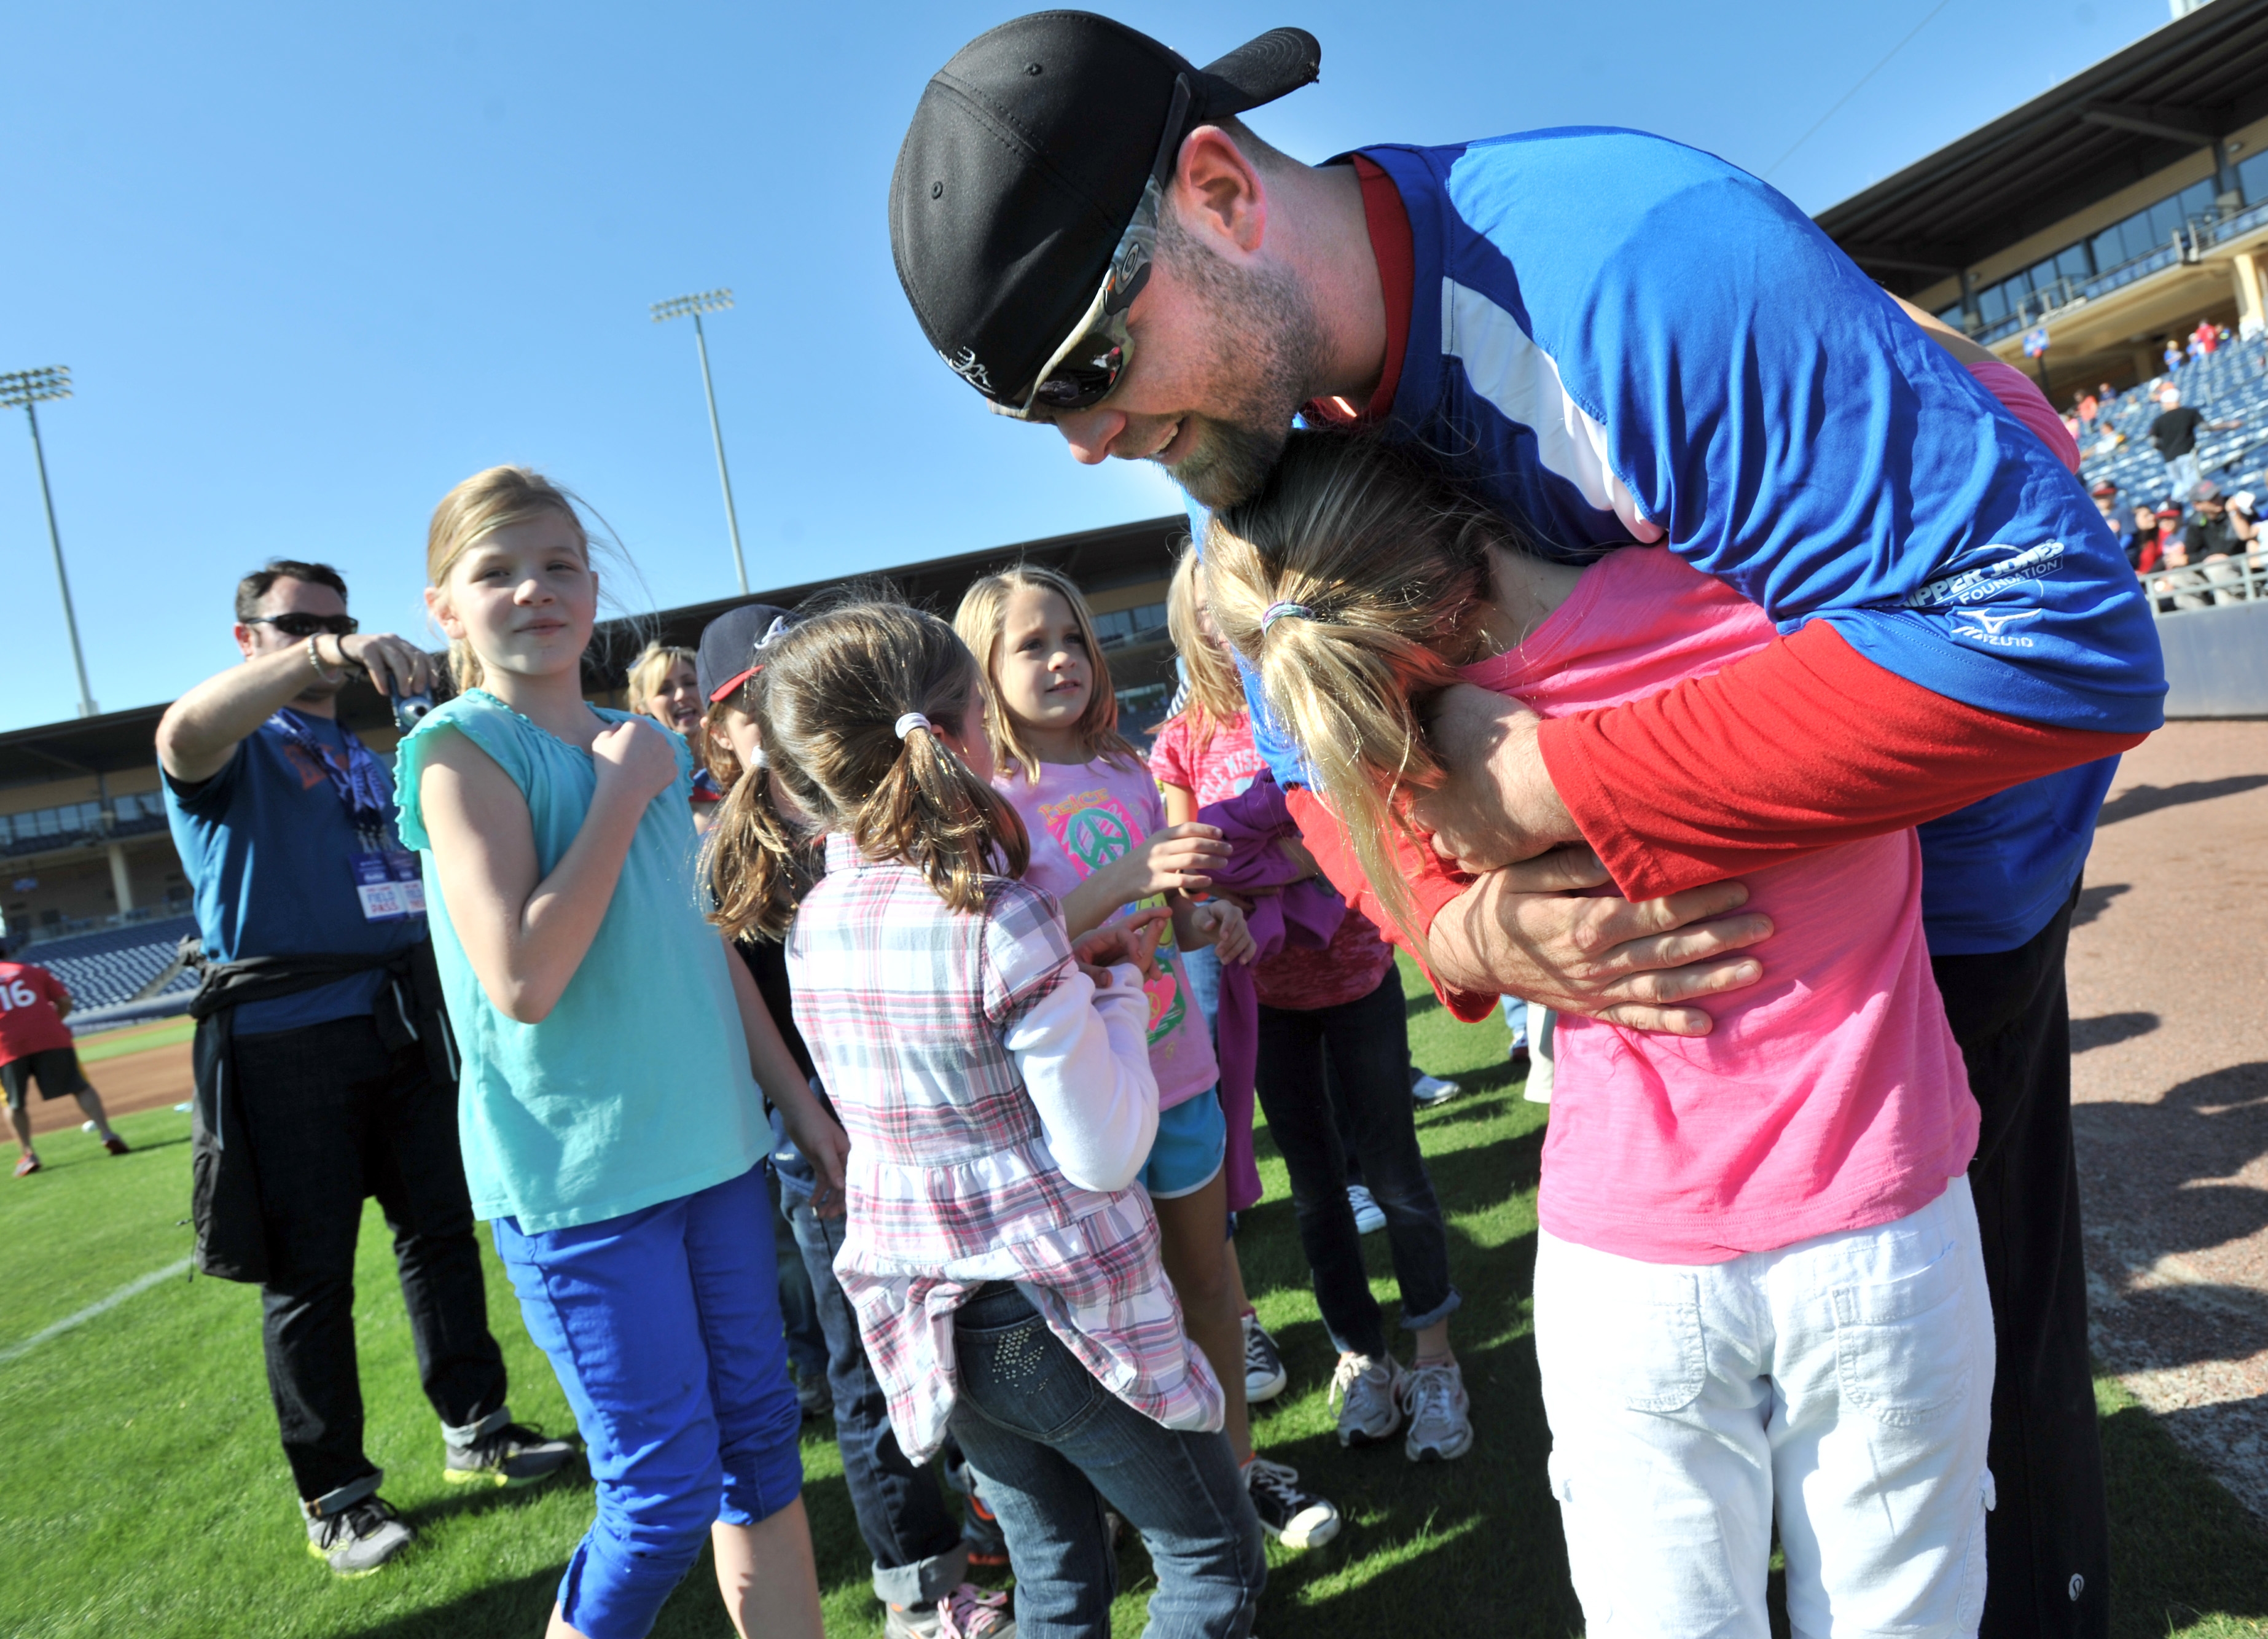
[
  {"x": 2173, "y": 356},
  {"x": 2204, "y": 340},
  {"x": 2106, "y": 502},
  {"x": 326, "y": 1068},
  {"x": 2145, "y": 545},
  {"x": 2179, "y": 586},
  {"x": 2243, "y": 510},
  {"x": 2214, "y": 536},
  {"x": 2175, "y": 431},
  {"x": 35, "y": 1044}
]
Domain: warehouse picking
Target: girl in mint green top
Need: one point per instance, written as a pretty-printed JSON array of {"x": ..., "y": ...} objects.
[
  {"x": 612, "y": 1050},
  {"x": 635, "y": 1087}
]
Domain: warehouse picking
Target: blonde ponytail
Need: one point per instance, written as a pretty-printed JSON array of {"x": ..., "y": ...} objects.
[{"x": 1354, "y": 583}]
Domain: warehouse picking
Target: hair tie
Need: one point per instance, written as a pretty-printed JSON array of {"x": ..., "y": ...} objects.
[
  {"x": 1275, "y": 612},
  {"x": 911, "y": 721}
]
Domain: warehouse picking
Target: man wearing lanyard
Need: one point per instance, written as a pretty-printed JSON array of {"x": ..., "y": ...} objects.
[{"x": 326, "y": 1072}]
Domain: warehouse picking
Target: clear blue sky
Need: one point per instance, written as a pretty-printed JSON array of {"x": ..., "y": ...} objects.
[{"x": 310, "y": 266}]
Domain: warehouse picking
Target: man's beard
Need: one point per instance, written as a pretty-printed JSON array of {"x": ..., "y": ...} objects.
[{"x": 1268, "y": 350}]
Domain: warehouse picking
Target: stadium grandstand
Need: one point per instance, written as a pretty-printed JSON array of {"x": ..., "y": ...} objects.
[
  {"x": 2113, "y": 212},
  {"x": 92, "y": 885}
]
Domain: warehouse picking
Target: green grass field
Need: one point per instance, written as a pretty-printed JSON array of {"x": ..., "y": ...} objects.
[{"x": 142, "y": 1493}]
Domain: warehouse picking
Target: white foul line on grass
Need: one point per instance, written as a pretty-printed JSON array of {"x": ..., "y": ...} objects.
[{"x": 103, "y": 1305}]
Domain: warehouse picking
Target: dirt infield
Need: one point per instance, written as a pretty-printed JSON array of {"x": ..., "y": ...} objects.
[
  {"x": 131, "y": 1082},
  {"x": 2169, "y": 1038}
]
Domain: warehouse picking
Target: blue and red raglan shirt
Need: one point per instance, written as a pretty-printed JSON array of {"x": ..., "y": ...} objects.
[{"x": 1619, "y": 338}]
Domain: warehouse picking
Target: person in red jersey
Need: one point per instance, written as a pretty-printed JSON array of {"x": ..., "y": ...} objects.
[{"x": 35, "y": 1045}]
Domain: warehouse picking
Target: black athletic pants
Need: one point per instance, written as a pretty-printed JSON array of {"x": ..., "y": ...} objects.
[
  {"x": 2047, "y": 1541},
  {"x": 334, "y": 1117}
]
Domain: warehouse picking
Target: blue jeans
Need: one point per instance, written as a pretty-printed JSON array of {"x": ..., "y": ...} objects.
[
  {"x": 917, "y": 1545},
  {"x": 1203, "y": 966},
  {"x": 663, "y": 1326},
  {"x": 807, "y": 1338},
  {"x": 1515, "y": 1019},
  {"x": 1367, "y": 1043},
  {"x": 1053, "y": 1448},
  {"x": 2182, "y": 472}
]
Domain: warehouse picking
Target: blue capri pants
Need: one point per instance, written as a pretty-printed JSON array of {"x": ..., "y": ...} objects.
[{"x": 664, "y": 1327}]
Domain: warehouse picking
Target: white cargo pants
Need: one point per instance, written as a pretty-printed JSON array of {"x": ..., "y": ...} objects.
[{"x": 1846, "y": 1379}]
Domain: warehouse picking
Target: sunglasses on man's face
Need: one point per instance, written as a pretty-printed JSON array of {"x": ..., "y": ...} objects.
[
  {"x": 297, "y": 625},
  {"x": 1083, "y": 370}
]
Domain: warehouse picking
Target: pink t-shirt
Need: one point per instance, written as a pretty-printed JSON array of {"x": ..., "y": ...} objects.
[
  {"x": 1221, "y": 768},
  {"x": 1081, "y": 816},
  {"x": 1832, "y": 1095}
]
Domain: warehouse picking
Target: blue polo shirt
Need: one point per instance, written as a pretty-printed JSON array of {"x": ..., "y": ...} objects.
[{"x": 269, "y": 846}]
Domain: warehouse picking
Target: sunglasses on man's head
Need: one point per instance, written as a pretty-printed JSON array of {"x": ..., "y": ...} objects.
[
  {"x": 1085, "y": 369},
  {"x": 297, "y": 625}
]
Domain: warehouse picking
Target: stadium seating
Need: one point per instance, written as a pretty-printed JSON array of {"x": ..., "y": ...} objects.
[
  {"x": 2230, "y": 384},
  {"x": 104, "y": 968}
]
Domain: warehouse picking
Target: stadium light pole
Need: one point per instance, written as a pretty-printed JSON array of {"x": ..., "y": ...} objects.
[
  {"x": 693, "y": 307},
  {"x": 27, "y": 387}
]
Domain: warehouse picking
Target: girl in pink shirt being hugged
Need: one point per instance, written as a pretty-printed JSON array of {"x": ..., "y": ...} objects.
[{"x": 1758, "y": 1281}]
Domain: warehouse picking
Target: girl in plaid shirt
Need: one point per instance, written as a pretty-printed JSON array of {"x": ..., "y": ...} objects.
[{"x": 996, "y": 1085}]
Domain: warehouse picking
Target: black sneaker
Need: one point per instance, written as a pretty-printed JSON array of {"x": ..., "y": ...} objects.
[
  {"x": 513, "y": 1455},
  {"x": 359, "y": 1537},
  {"x": 1264, "y": 1376},
  {"x": 1297, "y": 1518}
]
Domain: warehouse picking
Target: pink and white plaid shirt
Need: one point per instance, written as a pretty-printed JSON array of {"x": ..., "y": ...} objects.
[{"x": 904, "y": 1003}]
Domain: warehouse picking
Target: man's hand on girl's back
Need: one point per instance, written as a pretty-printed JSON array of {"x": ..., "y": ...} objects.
[
  {"x": 636, "y": 757},
  {"x": 1498, "y": 804}
]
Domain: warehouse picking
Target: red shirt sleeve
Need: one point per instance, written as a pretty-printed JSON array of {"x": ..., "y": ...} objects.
[
  {"x": 1801, "y": 746},
  {"x": 1433, "y": 883}
]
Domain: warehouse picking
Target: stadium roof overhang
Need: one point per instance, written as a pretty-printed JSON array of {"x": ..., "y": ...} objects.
[
  {"x": 2177, "y": 90},
  {"x": 1096, "y": 559}
]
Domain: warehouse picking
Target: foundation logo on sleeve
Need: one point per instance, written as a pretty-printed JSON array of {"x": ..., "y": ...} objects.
[
  {"x": 1094, "y": 829},
  {"x": 1996, "y": 584}
]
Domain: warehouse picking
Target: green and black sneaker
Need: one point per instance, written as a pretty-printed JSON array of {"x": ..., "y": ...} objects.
[
  {"x": 513, "y": 1454},
  {"x": 359, "y": 1537}
]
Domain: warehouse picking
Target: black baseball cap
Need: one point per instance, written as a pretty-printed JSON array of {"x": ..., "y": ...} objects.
[
  {"x": 731, "y": 645},
  {"x": 1026, "y": 160}
]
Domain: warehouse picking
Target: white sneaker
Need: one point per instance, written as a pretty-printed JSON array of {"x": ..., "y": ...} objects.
[
  {"x": 1368, "y": 1218},
  {"x": 1440, "y": 1414},
  {"x": 1367, "y": 1394},
  {"x": 1431, "y": 1090},
  {"x": 1264, "y": 1376}
]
